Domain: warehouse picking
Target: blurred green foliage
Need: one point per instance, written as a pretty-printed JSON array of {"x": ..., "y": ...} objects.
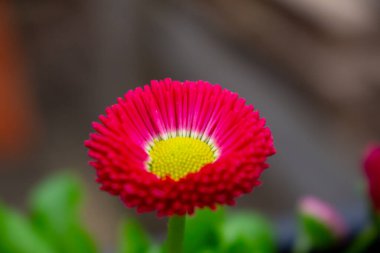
[
  {"x": 248, "y": 232},
  {"x": 54, "y": 223},
  {"x": 55, "y": 213},
  {"x": 17, "y": 234},
  {"x": 313, "y": 235},
  {"x": 203, "y": 231},
  {"x": 133, "y": 238},
  {"x": 318, "y": 233},
  {"x": 211, "y": 232}
]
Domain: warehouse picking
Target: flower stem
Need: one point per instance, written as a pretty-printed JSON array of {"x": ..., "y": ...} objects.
[{"x": 176, "y": 230}]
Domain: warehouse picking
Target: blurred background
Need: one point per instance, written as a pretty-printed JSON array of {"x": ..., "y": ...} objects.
[{"x": 311, "y": 67}]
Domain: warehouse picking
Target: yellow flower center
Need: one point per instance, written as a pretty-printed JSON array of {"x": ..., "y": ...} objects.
[{"x": 178, "y": 156}]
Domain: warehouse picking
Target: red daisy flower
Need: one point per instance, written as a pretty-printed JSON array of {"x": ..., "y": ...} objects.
[{"x": 173, "y": 146}]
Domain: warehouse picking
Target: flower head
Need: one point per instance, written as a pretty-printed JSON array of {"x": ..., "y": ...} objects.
[
  {"x": 371, "y": 166},
  {"x": 325, "y": 215},
  {"x": 173, "y": 146}
]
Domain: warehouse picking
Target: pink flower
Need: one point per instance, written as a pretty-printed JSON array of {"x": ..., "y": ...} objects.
[
  {"x": 371, "y": 166},
  {"x": 325, "y": 214},
  {"x": 173, "y": 146}
]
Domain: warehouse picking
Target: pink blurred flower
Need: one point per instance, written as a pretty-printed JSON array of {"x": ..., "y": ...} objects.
[
  {"x": 324, "y": 213},
  {"x": 371, "y": 166}
]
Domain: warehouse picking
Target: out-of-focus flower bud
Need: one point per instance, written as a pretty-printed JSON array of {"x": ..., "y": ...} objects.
[{"x": 320, "y": 225}]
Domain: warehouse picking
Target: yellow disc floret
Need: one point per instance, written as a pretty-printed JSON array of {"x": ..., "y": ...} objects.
[{"x": 178, "y": 156}]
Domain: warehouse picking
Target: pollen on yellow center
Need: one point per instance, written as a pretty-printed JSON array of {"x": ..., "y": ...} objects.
[{"x": 178, "y": 156}]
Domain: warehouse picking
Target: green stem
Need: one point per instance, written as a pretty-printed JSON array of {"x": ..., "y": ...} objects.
[{"x": 176, "y": 230}]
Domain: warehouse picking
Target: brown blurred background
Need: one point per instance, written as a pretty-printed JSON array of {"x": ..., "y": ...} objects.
[{"x": 311, "y": 67}]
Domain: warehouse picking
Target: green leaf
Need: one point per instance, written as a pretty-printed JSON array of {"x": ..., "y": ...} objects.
[
  {"x": 202, "y": 232},
  {"x": 316, "y": 233},
  {"x": 134, "y": 239},
  {"x": 55, "y": 208},
  {"x": 248, "y": 232},
  {"x": 154, "y": 249},
  {"x": 56, "y": 201},
  {"x": 17, "y": 235}
]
